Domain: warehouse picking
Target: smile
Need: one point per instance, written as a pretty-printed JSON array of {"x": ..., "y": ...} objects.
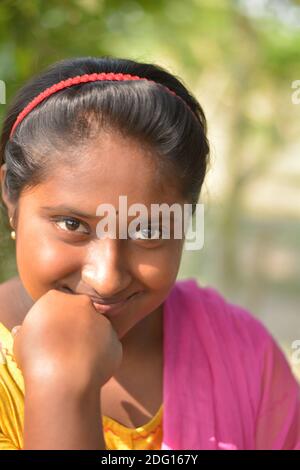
[{"x": 111, "y": 308}]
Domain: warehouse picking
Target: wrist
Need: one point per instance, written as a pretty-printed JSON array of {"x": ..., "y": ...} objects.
[{"x": 58, "y": 416}]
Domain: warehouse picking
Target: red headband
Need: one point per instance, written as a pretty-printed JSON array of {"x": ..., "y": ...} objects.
[{"x": 75, "y": 81}]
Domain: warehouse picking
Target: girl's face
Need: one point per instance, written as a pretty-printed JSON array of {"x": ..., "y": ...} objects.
[{"x": 56, "y": 247}]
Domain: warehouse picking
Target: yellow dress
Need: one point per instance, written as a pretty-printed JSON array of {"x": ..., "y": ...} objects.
[{"x": 117, "y": 436}]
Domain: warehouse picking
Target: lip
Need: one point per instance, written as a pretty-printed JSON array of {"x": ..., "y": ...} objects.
[
  {"x": 104, "y": 307},
  {"x": 114, "y": 308},
  {"x": 108, "y": 301}
]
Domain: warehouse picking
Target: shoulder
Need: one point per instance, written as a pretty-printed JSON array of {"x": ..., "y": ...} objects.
[
  {"x": 225, "y": 329},
  {"x": 218, "y": 320},
  {"x": 12, "y": 387},
  {"x": 207, "y": 300}
]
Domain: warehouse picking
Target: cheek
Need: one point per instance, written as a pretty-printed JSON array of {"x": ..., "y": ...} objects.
[
  {"x": 42, "y": 261},
  {"x": 158, "y": 268}
]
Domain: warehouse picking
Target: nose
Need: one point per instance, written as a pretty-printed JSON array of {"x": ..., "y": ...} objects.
[{"x": 105, "y": 269}]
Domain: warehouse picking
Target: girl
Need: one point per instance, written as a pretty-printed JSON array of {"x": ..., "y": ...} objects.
[{"x": 112, "y": 351}]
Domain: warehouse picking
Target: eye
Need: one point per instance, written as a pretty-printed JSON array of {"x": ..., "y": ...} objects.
[
  {"x": 150, "y": 233},
  {"x": 71, "y": 224}
]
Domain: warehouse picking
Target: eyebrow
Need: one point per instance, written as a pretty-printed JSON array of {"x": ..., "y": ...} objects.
[
  {"x": 71, "y": 210},
  {"x": 76, "y": 212}
]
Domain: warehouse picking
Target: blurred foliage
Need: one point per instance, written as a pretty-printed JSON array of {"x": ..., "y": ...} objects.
[{"x": 239, "y": 58}]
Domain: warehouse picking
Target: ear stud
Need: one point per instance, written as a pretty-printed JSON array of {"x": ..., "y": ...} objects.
[{"x": 12, "y": 233}]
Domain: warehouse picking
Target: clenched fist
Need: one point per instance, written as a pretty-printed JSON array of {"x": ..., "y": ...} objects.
[{"x": 63, "y": 337}]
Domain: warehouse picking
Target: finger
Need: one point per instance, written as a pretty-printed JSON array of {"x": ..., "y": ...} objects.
[
  {"x": 14, "y": 333},
  {"x": 15, "y": 330}
]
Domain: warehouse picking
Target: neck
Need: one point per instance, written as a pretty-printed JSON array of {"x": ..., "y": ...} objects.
[{"x": 146, "y": 337}]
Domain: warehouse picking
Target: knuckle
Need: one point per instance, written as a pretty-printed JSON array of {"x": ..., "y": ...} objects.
[{"x": 51, "y": 293}]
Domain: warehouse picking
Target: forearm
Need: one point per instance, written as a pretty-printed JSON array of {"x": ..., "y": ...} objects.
[{"x": 57, "y": 417}]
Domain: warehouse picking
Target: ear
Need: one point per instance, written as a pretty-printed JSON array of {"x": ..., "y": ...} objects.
[{"x": 4, "y": 194}]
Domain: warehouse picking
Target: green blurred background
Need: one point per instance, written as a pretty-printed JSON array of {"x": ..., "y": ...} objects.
[{"x": 240, "y": 59}]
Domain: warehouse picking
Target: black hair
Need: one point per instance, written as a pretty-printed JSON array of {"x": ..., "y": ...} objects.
[{"x": 174, "y": 127}]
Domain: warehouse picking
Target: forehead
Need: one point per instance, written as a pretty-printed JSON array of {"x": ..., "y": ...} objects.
[{"x": 101, "y": 171}]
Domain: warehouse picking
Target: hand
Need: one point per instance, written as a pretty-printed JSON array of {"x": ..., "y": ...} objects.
[{"x": 63, "y": 337}]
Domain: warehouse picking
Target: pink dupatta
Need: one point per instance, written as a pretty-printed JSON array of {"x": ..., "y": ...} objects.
[{"x": 227, "y": 384}]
